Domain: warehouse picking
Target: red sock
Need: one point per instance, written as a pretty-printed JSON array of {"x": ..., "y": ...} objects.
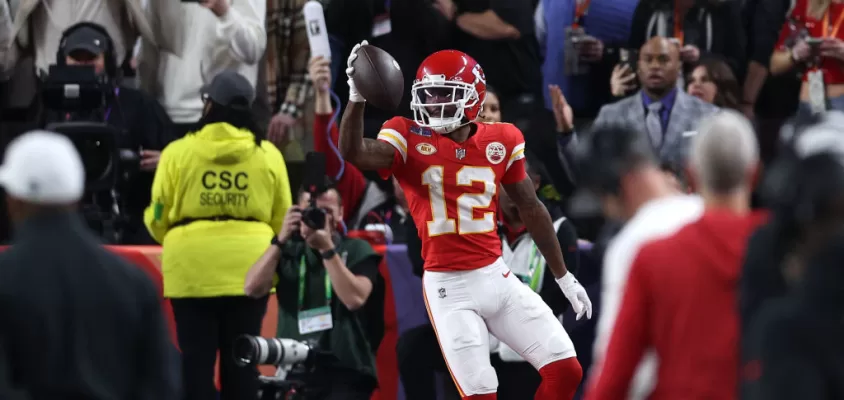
[
  {"x": 488, "y": 396},
  {"x": 559, "y": 380}
]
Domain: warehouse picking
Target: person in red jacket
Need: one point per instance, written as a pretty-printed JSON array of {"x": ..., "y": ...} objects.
[
  {"x": 681, "y": 297},
  {"x": 366, "y": 201}
]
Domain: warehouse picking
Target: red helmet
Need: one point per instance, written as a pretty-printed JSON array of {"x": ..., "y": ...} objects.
[{"x": 448, "y": 92}]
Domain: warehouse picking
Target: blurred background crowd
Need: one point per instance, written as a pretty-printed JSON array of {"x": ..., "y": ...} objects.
[{"x": 182, "y": 87}]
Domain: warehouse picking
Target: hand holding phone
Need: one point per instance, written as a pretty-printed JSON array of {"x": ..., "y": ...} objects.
[{"x": 814, "y": 41}]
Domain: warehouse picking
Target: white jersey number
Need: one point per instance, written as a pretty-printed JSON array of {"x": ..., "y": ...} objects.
[{"x": 466, "y": 223}]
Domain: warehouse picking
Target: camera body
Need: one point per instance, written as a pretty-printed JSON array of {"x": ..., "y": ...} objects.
[
  {"x": 75, "y": 103},
  {"x": 314, "y": 217},
  {"x": 314, "y": 183}
]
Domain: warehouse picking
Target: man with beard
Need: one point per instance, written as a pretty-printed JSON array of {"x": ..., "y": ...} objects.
[{"x": 666, "y": 114}]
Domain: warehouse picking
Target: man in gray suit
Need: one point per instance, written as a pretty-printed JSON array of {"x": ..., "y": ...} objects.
[{"x": 660, "y": 110}]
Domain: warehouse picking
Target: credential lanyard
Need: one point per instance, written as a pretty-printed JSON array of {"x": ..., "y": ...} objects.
[
  {"x": 302, "y": 271},
  {"x": 108, "y": 112},
  {"x": 832, "y": 33},
  {"x": 579, "y": 12},
  {"x": 678, "y": 23}
]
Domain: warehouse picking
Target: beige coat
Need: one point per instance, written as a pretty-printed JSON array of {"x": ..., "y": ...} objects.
[{"x": 160, "y": 24}]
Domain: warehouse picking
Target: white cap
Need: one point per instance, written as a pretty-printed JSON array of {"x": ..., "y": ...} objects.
[{"x": 44, "y": 168}]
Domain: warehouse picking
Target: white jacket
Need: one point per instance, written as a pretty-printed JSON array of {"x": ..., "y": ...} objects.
[
  {"x": 655, "y": 219},
  {"x": 235, "y": 41}
]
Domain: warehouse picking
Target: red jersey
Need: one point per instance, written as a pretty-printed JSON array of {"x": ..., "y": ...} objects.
[
  {"x": 833, "y": 20},
  {"x": 452, "y": 188},
  {"x": 681, "y": 299}
]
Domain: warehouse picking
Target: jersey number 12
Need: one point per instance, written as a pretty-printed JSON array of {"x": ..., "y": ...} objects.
[{"x": 466, "y": 223}]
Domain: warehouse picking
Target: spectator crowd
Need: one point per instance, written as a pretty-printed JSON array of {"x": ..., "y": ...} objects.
[{"x": 688, "y": 151}]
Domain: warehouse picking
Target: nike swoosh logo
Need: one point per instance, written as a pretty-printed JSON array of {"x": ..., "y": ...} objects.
[{"x": 506, "y": 274}]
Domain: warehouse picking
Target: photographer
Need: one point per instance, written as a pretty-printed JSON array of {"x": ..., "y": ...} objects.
[
  {"x": 324, "y": 273},
  {"x": 219, "y": 194},
  {"x": 143, "y": 125}
]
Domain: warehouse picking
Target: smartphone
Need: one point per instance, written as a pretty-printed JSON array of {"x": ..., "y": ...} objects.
[{"x": 814, "y": 41}]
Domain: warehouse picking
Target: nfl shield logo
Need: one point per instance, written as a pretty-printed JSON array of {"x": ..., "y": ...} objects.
[{"x": 460, "y": 154}]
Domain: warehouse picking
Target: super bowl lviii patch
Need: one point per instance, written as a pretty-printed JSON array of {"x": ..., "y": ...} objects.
[
  {"x": 426, "y": 149},
  {"x": 418, "y": 130}
]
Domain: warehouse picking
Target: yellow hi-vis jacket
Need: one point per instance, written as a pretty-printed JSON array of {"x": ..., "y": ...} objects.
[{"x": 217, "y": 200}]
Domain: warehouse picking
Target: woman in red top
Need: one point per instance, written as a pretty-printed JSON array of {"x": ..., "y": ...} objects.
[{"x": 812, "y": 41}]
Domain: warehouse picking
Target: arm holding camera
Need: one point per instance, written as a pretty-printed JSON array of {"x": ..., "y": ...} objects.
[
  {"x": 352, "y": 289},
  {"x": 783, "y": 61},
  {"x": 623, "y": 80},
  {"x": 259, "y": 279}
]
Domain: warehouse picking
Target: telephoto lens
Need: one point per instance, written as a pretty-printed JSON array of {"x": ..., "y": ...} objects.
[{"x": 255, "y": 350}]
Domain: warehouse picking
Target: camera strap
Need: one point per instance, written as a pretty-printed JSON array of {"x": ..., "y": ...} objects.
[
  {"x": 831, "y": 32},
  {"x": 579, "y": 12},
  {"x": 302, "y": 271},
  {"x": 108, "y": 111}
]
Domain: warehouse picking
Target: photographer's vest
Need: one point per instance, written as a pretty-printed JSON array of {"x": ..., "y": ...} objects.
[
  {"x": 528, "y": 264},
  {"x": 348, "y": 338}
]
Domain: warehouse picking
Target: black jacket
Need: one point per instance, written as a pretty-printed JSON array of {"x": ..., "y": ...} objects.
[
  {"x": 78, "y": 322},
  {"x": 728, "y": 39},
  {"x": 795, "y": 349}
]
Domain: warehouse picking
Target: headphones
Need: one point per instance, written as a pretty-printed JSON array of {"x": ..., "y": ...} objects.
[{"x": 111, "y": 67}]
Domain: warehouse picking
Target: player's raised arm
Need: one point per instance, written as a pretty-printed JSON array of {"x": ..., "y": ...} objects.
[
  {"x": 366, "y": 154},
  {"x": 541, "y": 228}
]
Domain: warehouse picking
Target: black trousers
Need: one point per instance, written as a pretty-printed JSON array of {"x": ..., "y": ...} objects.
[
  {"x": 419, "y": 357},
  {"x": 206, "y": 325}
]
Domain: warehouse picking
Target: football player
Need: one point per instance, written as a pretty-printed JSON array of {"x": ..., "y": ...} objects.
[{"x": 450, "y": 169}]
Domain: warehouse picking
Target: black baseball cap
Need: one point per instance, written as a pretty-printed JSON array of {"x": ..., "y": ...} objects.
[
  {"x": 85, "y": 38},
  {"x": 602, "y": 157},
  {"x": 230, "y": 89}
]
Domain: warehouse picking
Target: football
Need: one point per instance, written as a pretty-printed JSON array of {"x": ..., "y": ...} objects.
[{"x": 378, "y": 78}]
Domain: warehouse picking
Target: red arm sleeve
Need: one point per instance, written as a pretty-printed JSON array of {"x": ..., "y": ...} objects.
[
  {"x": 352, "y": 184},
  {"x": 393, "y": 133},
  {"x": 629, "y": 337},
  {"x": 515, "y": 169}
]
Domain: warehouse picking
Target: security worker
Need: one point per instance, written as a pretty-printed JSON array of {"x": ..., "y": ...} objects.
[
  {"x": 219, "y": 195},
  {"x": 323, "y": 274}
]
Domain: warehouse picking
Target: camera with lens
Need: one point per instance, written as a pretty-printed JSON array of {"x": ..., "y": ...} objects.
[
  {"x": 314, "y": 217},
  {"x": 315, "y": 183},
  {"x": 75, "y": 103}
]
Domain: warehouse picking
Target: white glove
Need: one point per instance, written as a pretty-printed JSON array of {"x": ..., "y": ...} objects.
[
  {"x": 354, "y": 96},
  {"x": 577, "y": 296}
]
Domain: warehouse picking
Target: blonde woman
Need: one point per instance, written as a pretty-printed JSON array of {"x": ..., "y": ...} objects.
[{"x": 811, "y": 41}]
